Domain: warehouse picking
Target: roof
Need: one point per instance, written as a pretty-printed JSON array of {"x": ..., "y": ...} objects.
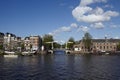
[
  {"x": 104, "y": 40},
  {"x": 1, "y": 33}
]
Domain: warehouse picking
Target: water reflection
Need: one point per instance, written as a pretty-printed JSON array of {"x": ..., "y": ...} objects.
[{"x": 60, "y": 67}]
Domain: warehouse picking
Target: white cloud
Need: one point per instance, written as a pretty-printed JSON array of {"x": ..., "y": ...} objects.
[
  {"x": 98, "y": 11},
  {"x": 74, "y": 25},
  {"x": 50, "y": 33},
  {"x": 111, "y": 13},
  {"x": 87, "y": 2},
  {"x": 108, "y": 6},
  {"x": 65, "y": 29},
  {"x": 71, "y": 7},
  {"x": 116, "y": 37},
  {"x": 114, "y": 26},
  {"x": 83, "y": 28},
  {"x": 84, "y": 13},
  {"x": 97, "y": 25}
]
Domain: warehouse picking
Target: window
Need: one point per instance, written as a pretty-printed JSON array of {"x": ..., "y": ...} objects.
[
  {"x": 104, "y": 47},
  {"x": 111, "y": 47},
  {"x": 114, "y": 47},
  {"x": 107, "y": 47},
  {"x": 82, "y": 47}
]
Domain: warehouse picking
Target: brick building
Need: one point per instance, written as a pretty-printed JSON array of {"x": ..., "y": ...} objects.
[
  {"x": 32, "y": 43},
  {"x": 98, "y": 45},
  {"x": 36, "y": 42}
]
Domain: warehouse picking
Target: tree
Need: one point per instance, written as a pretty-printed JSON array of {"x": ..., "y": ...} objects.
[
  {"x": 47, "y": 38},
  {"x": 1, "y": 47},
  {"x": 30, "y": 46},
  {"x": 70, "y": 45},
  {"x": 57, "y": 45},
  {"x": 118, "y": 46},
  {"x": 87, "y": 41},
  {"x": 22, "y": 46}
]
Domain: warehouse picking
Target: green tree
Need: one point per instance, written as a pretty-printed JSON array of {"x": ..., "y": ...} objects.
[
  {"x": 1, "y": 47},
  {"x": 47, "y": 38},
  {"x": 118, "y": 46},
  {"x": 71, "y": 44},
  {"x": 22, "y": 47},
  {"x": 57, "y": 45},
  {"x": 30, "y": 46},
  {"x": 87, "y": 41}
]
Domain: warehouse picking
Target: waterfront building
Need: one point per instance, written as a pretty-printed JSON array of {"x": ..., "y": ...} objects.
[
  {"x": 27, "y": 43},
  {"x": 11, "y": 42},
  {"x": 9, "y": 39},
  {"x": 35, "y": 42},
  {"x": 32, "y": 43},
  {"x": 99, "y": 45},
  {"x": 17, "y": 43}
]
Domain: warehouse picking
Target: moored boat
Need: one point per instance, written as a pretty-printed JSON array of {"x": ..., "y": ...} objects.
[
  {"x": 28, "y": 53},
  {"x": 9, "y": 52},
  {"x": 10, "y": 56}
]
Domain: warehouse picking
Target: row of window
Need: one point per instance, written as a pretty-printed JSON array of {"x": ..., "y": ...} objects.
[
  {"x": 105, "y": 43},
  {"x": 101, "y": 47},
  {"x": 105, "y": 47}
]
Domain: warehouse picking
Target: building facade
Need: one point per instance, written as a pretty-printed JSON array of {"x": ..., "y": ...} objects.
[
  {"x": 32, "y": 43},
  {"x": 27, "y": 43},
  {"x": 11, "y": 42},
  {"x": 99, "y": 45},
  {"x": 9, "y": 39},
  {"x": 35, "y": 42}
]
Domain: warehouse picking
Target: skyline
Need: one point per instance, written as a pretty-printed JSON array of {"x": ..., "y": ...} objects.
[{"x": 61, "y": 18}]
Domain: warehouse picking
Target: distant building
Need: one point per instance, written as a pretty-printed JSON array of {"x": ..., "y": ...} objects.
[
  {"x": 9, "y": 41},
  {"x": 27, "y": 43},
  {"x": 17, "y": 43},
  {"x": 32, "y": 43},
  {"x": 98, "y": 45},
  {"x": 1, "y": 38},
  {"x": 36, "y": 42}
]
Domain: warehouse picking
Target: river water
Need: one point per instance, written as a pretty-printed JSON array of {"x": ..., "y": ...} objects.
[{"x": 60, "y": 67}]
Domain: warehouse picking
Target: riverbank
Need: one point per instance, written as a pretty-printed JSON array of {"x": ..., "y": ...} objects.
[{"x": 71, "y": 52}]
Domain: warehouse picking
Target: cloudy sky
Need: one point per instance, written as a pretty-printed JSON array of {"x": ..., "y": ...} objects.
[{"x": 61, "y": 18}]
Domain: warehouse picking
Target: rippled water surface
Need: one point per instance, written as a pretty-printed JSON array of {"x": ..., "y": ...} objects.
[{"x": 60, "y": 67}]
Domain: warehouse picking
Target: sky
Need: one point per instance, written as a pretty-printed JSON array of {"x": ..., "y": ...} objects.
[{"x": 61, "y": 18}]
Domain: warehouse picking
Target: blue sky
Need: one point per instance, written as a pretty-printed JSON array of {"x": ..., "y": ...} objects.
[{"x": 61, "y": 18}]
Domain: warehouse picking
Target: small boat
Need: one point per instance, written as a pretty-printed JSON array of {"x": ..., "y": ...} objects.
[
  {"x": 107, "y": 53},
  {"x": 50, "y": 51},
  {"x": 28, "y": 52},
  {"x": 9, "y": 52},
  {"x": 10, "y": 56}
]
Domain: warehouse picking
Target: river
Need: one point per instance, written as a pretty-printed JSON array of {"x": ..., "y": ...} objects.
[{"x": 60, "y": 67}]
